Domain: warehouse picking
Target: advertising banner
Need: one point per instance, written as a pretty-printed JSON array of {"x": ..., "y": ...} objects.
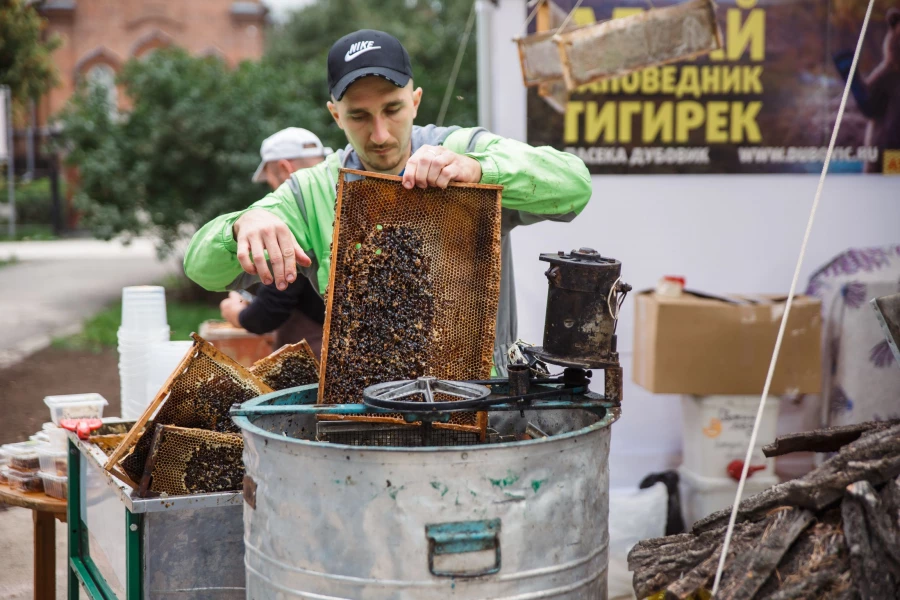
[{"x": 765, "y": 103}]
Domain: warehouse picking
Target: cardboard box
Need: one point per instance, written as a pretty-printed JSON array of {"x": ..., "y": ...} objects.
[
  {"x": 703, "y": 346},
  {"x": 239, "y": 344}
]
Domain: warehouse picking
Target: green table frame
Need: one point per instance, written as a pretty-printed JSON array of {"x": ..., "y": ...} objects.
[{"x": 83, "y": 572}]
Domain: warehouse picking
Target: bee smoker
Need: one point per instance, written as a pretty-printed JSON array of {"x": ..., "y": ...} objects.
[{"x": 583, "y": 300}]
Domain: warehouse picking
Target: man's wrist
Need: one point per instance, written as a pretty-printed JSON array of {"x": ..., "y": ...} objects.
[
  {"x": 476, "y": 174},
  {"x": 490, "y": 173}
]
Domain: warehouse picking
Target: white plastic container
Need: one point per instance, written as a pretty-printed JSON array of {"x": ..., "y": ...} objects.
[
  {"x": 164, "y": 357},
  {"x": 75, "y": 406},
  {"x": 136, "y": 340},
  {"x": 702, "y": 496},
  {"x": 54, "y": 486},
  {"x": 58, "y": 437},
  {"x": 23, "y": 456},
  {"x": 53, "y": 462},
  {"x": 24, "y": 482},
  {"x": 716, "y": 430},
  {"x": 671, "y": 286},
  {"x": 143, "y": 308}
]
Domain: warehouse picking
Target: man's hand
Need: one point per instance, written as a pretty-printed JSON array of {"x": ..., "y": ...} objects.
[
  {"x": 436, "y": 166},
  {"x": 231, "y": 307},
  {"x": 259, "y": 230}
]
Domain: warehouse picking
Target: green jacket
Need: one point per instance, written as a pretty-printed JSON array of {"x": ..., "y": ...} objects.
[{"x": 538, "y": 184}]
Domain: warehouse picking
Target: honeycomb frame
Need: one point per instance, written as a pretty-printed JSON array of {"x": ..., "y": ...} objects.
[
  {"x": 460, "y": 232},
  {"x": 268, "y": 369},
  {"x": 177, "y": 404},
  {"x": 177, "y": 452}
]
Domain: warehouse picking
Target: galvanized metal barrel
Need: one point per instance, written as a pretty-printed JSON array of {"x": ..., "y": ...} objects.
[{"x": 513, "y": 521}]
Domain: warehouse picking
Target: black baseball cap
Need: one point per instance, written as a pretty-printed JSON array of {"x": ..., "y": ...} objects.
[{"x": 363, "y": 53}]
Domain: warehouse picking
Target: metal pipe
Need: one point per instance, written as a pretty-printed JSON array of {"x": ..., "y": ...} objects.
[
  {"x": 56, "y": 201},
  {"x": 484, "y": 10},
  {"x": 29, "y": 142},
  {"x": 10, "y": 160},
  {"x": 518, "y": 380}
]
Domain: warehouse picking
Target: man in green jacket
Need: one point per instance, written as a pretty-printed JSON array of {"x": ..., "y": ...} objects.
[{"x": 373, "y": 100}]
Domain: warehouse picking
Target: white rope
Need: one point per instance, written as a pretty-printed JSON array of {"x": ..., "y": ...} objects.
[
  {"x": 612, "y": 290},
  {"x": 530, "y": 17},
  {"x": 787, "y": 308},
  {"x": 459, "y": 56},
  {"x": 569, "y": 16}
]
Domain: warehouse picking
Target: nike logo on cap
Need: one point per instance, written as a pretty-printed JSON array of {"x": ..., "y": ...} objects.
[{"x": 359, "y": 48}]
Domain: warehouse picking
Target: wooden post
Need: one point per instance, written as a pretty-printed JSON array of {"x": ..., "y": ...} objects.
[
  {"x": 44, "y": 555},
  {"x": 542, "y": 22}
]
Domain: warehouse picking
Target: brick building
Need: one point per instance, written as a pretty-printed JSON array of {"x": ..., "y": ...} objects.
[{"x": 99, "y": 36}]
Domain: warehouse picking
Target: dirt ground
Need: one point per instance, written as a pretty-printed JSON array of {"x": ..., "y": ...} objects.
[{"x": 48, "y": 372}]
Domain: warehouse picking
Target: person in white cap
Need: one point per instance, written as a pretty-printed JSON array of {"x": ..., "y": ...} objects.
[
  {"x": 287, "y": 151},
  {"x": 297, "y": 312}
]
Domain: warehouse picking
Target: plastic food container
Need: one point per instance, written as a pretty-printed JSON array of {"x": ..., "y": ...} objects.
[
  {"x": 670, "y": 285},
  {"x": 4, "y": 475},
  {"x": 23, "y": 457},
  {"x": 53, "y": 462},
  {"x": 55, "y": 487},
  {"x": 75, "y": 406},
  {"x": 25, "y": 482},
  {"x": 59, "y": 438},
  {"x": 39, "y": 437}
]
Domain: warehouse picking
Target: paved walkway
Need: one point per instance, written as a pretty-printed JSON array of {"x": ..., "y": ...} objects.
[
  {"x": 17, "y": 559},
  {"x": 51, "y": 287}
]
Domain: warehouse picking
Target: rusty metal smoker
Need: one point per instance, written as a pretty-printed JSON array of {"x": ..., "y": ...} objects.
[{"x": 583, "y": 301}]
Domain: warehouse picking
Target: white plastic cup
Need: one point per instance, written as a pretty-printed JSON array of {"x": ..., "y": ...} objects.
[
  {"x": 143, "y": 308},
  {"x": 164, "y": 358},
  {"x": 58, "y": 438},
  {"x": 144, "y": 369},
  {"x": 141, "y": 336}
]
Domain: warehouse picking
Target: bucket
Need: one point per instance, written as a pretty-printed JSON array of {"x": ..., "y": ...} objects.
[
  {"x": 716, "y": 431},
  {"x": 702, "y": 496},
  {"x": 523, "y": 519}
]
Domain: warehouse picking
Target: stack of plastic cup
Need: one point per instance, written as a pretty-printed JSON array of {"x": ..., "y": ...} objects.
[
  {"x": 164, "y": 358},
  {"x": 143, "y": 324}
]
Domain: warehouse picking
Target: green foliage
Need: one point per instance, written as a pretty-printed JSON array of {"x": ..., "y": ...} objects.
[
  {"x": 27, "y": 233},
  {"x": 25, "y": 62},
  {"x": 34, "y": 204},
  {"x": 185, "y": 152},
  {"x": 431, "y": 32}
]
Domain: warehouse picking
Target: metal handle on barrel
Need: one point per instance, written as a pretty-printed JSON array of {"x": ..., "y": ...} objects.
[{"x": 463, "y": 537}]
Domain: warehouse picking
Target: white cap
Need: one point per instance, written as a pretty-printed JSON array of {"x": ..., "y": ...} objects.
[{"x": 290, "y": 143}]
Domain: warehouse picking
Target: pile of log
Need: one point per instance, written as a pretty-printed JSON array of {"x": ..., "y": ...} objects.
[{"x": 834, "y": 533}]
